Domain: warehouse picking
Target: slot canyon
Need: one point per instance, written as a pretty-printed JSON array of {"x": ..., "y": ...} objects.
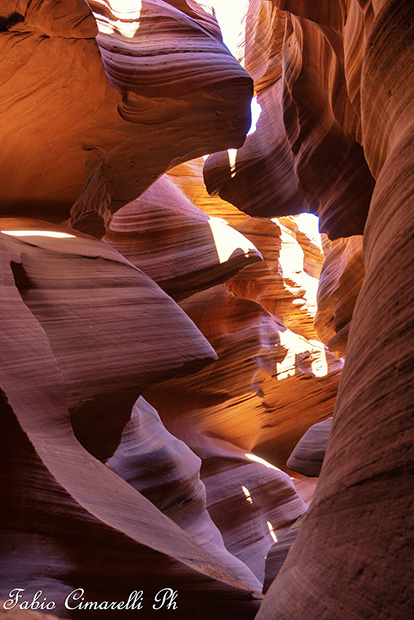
[{"x": 207, "y": 309}]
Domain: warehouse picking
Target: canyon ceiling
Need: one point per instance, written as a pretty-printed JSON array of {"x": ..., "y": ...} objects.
[{"x": 199, "y": 395}]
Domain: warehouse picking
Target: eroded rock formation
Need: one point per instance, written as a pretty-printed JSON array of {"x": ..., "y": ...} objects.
[
  {"x": 306, "y": 139},
  {"x": 167, "y": 472},
  {"x": 74, "y": 533},
  {"x": 365, "y": 499},
  {"x": 99, "y": 100},
  {"x": 180, "y": 247},
  {"x": 207, "y": 307},
  {"x": 339, "y": 285},
  {"x": 308, "y": 455}
]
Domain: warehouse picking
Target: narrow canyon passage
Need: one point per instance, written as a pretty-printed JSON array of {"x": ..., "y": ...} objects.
[{"x": 206, "y": 377}]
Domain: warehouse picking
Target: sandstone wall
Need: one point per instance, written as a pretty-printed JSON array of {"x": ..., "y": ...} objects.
[{"x": 123, "y": 278}]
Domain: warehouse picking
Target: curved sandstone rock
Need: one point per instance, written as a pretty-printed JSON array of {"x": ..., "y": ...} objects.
[
  {"x": 301, "y": 392},
  {"x": 89, "y": 122},
  {"x": 308, "y": 455},
  {"x": 250, "y": 500},
  {"x": 71, "y": 283},
  {"x": 176, "y": 244},
  {"x": 339, "y": 285},
  {"x": 167, "y": 472},
  {"x": 66, "y": 531},
  {"x": 278, "y": 552},
  {"x": 367, "y": 496},
  {"x": 222, "y": 400},
  {"x": 157, "y": 76},
  {"x": 306, "y": 140},
  {"x": 265, "y": 390},
  {"x": 189, "y": 178},
  {"x": 261, "y": 181},
  {"x": 284, "y": 283}
]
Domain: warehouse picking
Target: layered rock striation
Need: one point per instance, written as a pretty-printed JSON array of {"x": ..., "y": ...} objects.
[
  {"x": 340, "y": 281},
  {"x": 94, "y": 86},
  {"x": 364, "y": 492},
  {"x": 308, "y": 455},
  {"x": 180, "y": 247},
  {"x": 66, "y": 531},
  {"x": 154, "y": 384},
  {"x": 304, "y": 154}
]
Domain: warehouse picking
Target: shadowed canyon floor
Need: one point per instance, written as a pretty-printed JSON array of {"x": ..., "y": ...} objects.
[{"x": 205, "y": 404}]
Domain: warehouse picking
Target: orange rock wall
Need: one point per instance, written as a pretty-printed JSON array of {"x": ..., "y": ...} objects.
[
  {"x": 205, "y": 305},
  {"x": 364, "y": 496}
]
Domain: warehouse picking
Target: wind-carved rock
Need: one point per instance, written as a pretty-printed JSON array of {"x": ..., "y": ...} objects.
[
  {"x": 364, "y": 492},
  {"x": 250, "y": 500},
  {"x": 89, "y": 122},
  {"x": 114, "y": 109},
  {"x": 264, "y": 383},
  {"x": 163, "y": 233},
  {"x": 285, "y": 283},
  {"x": 180, "y": 247},
  {"x": 167, "y": 472},
  {"x": 308, "y": 455},
  {"x": 303, "y": 155},
  {"x": 339, "y": 285},
  {"x": 65, "y": 531}
]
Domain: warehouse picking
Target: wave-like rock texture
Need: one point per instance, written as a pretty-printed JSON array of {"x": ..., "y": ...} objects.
[
  {"x": 67, "y": 283},
  {"x": 285, "y": 283},
  {"x": 304, "y": 155},
  {"x": 260, "y": 177},
  {"x": 301, "y": 392},
  {"x": 339, "y": 285},
  {"x": 279, "y": 382},
  {"x": 189, "y": 178},
  {"x": 308, "y": 455},
  {"x": 167, "y": 472},
  {"x": 177, "y": 245},
  {"x": 114, "y": 109},
  {"x": 248, "y": 498},
  {"x": 222, "y": 400},
  {"x": 97, "y": 102},
  {"x": 225, "y": 402},
  {"x": 364, "y": 495},
  {"x": 261, "y": 394},
  {"x": 278, "y": 552},
  {"x": 58, "y": 516},
  {"x": 267, "y": 386}
]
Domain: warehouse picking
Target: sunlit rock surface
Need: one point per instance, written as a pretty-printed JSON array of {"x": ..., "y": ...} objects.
[
  {"x": 68, "y": 284},
  {"x": 237, "y": 373},
  {"x": 339, "y": 285},
  {"x": 180, "y": 247},
  {"x": 154, "y": 75},
  {"x": 263, "y": 394},
  {"x": 286, "y": 282},
  {"x": 189, "y": 178},
  {"x": 249, "y": 499},
  {"x": 167, "y": 472},
  {"x": 267, "y": 387},
  {"x": 245, "y": 495},
  {"x": 304, "y": 155},
  {"x": 277, "y": 553}
]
